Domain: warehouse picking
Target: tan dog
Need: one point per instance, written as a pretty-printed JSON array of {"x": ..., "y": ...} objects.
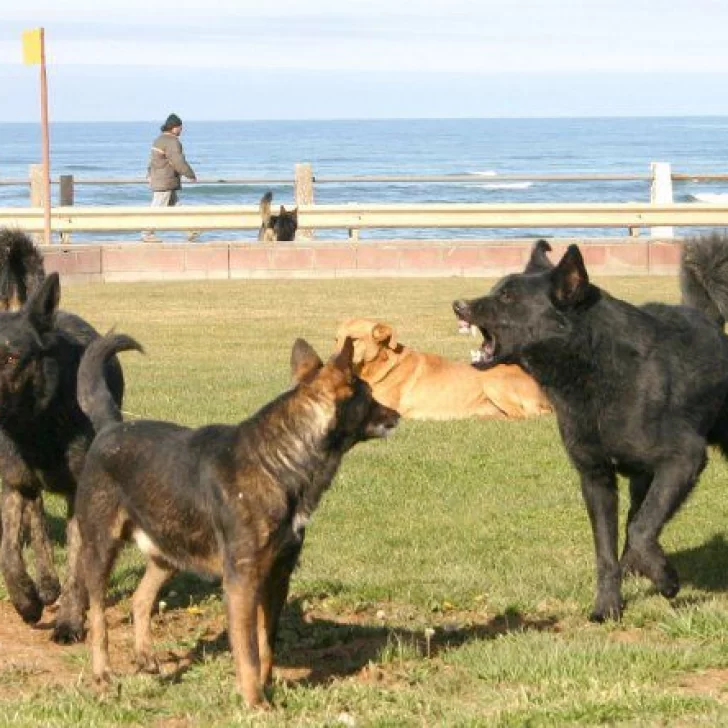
[{"x": 426, "y": 386}]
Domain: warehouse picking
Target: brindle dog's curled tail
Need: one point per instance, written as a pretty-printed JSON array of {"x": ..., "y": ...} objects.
[
  {"x": 94, "y": 396},
  {"x": 265, "y": 203}
]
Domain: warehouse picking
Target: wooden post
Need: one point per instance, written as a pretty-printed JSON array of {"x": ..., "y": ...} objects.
[
  {"x": 36, "y": 185},
  {"x": 36, "y": 182},
  {"x": 65, "y": 199},
  {"x": 303, "y": 193},
  {"x": 661, "y": 192}
]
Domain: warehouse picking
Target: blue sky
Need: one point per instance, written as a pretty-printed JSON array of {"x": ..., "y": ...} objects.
[{"x": 119, "y": 60}]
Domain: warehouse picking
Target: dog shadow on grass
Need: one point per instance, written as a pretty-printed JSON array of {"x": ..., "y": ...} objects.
[
  {"x": 704, "y": 567},
  {"x": 312, "y": 650}
]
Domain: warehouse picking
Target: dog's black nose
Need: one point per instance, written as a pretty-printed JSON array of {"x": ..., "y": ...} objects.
[{"x": 461, "y": 308}]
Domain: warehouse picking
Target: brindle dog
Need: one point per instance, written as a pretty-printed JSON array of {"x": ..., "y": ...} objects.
[{"x": 224, "y": 500}]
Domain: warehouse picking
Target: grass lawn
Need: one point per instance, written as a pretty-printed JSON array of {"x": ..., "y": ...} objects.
[{"x": 446, "y": 578}]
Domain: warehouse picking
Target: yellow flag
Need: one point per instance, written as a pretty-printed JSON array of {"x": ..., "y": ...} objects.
[{"x": 32, "y": 44}]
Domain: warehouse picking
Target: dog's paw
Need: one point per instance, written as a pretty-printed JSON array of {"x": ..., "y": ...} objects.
[
  {"x": 146, "y": 662},
  {"x": 67, "y": 633},
  {"x": 607, "y": 609},
  {"x": 102, "y": 680},
  {"x": 29, "y": 608},
  {"x": 669, "y": 583}
]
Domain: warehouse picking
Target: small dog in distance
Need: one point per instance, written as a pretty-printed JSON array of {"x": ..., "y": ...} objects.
[{"x": 276, "y": 228}]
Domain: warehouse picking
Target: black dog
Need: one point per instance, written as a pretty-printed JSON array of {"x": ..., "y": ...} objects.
[
  {"x": 704, "y": 275},
  {"x": 225, "y": 500},
  {"x": 281, "y": 227},
  {"x": 21, "y": 269},
  {"x": 43, "y": 433},
  {"x": 638, "y": 391}
]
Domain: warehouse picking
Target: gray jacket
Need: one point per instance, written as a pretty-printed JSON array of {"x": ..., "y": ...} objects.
[{"x": 167, "y": 164}]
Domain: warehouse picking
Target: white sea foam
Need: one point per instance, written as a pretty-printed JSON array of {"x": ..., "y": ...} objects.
[
  {"x": 710, "y": 197},
  {"x": 507, "y": 186}
]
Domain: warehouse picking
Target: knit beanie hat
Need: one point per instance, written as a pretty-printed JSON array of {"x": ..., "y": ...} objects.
[{"x": 172, "y": 121}]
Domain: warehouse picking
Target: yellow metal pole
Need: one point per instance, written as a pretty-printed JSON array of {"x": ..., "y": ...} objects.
[{"x": 45, "y": 141}]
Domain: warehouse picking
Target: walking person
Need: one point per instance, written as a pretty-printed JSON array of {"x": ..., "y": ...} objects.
[{"x": 167, "y": 166}]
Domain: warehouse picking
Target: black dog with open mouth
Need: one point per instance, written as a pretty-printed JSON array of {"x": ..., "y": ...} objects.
[{"x": 638, "y": 391}]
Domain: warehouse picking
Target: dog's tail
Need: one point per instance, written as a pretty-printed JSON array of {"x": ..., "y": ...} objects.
[
  {"x": 94, "y": 396},
  {"x": 539, "y": 261},
  {"x": 704, "y": 275},
  {"x": 21, "y": 268},
  {"x": 265, "y": 202}
]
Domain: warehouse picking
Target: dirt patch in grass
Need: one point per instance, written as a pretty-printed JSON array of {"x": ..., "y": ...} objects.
[
  {"x": 315, "y": 646},
  {"x": 707, "y": 682},
  {"x": 29, "y": 661}
]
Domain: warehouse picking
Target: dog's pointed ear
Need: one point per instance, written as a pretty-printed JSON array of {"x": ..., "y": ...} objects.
[
  {"x": 384, "y": 334},
  {"x": 539, "y": 262},
  {"x": 294, "y": 213},
  {"x": 569, "y": 280},
  {"x": 282, "y": 211},
  {"x": 304, "y": 361},
  {"x": 343, "y": 360},
  {"x": 43, "y": 303}
]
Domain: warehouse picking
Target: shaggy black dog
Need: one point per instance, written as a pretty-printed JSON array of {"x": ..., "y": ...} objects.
[
  {"x": 704, "y": 275},
  {"x": 21, "y": 269},
  {"x": 638, "y": 391},
  {"x": 43, "y": 433}
]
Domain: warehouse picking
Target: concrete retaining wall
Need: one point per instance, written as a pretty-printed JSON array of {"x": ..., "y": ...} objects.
[{"x": 131, "y": 261}]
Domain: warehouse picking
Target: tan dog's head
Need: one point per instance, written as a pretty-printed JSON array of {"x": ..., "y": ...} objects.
[{"x": 369, "y": 337}]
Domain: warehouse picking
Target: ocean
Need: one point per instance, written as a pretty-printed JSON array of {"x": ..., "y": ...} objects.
[{"x": 479, "y": 148}]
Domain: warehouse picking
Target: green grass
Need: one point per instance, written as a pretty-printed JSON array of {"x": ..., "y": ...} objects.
[{"x": 448, "y": 574}]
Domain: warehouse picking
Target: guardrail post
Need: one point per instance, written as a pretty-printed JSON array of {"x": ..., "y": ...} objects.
[
  {"x": 303, "y": 193},
  {"x": 37, "y": 194},
  {"x": 660, "y": 192},
  {"x": 65, "y": 199},
  {"x": 36, "y": 185}
]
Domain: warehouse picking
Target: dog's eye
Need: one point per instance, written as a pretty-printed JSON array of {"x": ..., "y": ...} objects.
[
  {"x": 506, "y": 297},
  {"x": 8, "y": 360}
]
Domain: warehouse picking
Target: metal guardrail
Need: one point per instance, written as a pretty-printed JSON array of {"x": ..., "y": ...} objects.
[
  {"x": 358, "y": 216},
  {"x": 399, "y": 179}
]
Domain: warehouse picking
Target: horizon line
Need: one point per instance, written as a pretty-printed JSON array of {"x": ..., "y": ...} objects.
[{"x": 384, "y": 118}]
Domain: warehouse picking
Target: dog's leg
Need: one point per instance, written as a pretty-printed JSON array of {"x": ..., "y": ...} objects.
[
  {"x": 638, "y": 487},
  {"x": 672, "y": 484},
  {"x": 20, "y": 586},
  {"x": 242, "y": 592},
  {"x": 273, "y": 599},
  {"x": 49, "y": 587},
  {"x": 98, "y": 556},
  {"x": 599, "y": 489},
  {"x": 157, "y": 573},
  {"x": 74, "y": 600}
]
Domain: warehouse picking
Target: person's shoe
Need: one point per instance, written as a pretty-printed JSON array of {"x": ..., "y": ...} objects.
[
  {"x": 193, "y": 237},
  {"x": 151, "y": 238}
]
